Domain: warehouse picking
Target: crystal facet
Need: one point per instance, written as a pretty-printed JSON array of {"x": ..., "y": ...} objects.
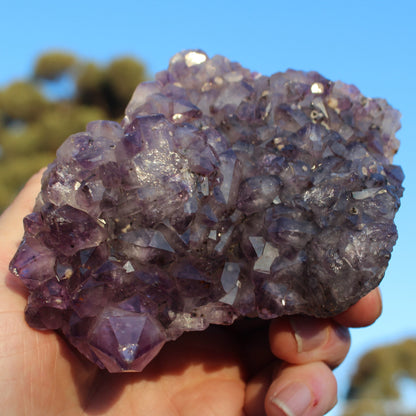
[{"x": 223, "y": 193}]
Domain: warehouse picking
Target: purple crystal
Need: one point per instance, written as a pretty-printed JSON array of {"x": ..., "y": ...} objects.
[{"x": 222, "y": 194}]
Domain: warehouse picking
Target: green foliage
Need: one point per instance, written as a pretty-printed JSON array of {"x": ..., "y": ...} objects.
[
  {"x": 122, "y": 77},
  {"x": 32, "y": 126},
  {"x": 374, "y": 388},
  {"x": 111, "y": 87},
  {"x": 14, "y": 173},
  {"x": 49, "y": 131},
  {"x": 51, "y": 66},
  {"x": 366, "y": 407},
  {"x": 90, "y": 86},
  {"x": 21, "y": 101}
]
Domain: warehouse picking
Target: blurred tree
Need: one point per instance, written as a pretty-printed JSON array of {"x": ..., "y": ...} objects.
[
  {"x": 53, "y": 65},
  {"x": 376, "y": 387},
  {"x": 22, "y": 101},
  {"x": 33, "y": 123},
  {"x": 121, "y": 78},
  {"x": 109, "y": 88},
  {"x": 90, "y": 86}
]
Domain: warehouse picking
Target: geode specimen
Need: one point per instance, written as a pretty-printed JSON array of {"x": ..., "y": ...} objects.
[{"x": 222, "y": 194}]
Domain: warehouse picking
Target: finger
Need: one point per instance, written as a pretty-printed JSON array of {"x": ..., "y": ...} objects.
[
  {"x": 300, "y": 339},
  {"x": 307, "y": 390},
  {"x": 257, "y": 388},
  {"x": 364, "y": 312}
]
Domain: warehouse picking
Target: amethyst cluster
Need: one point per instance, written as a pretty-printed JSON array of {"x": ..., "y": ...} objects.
[{"x": 223, "y": 193}]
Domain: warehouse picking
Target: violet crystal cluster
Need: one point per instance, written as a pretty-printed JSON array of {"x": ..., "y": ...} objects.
[{"x": 222, "y": 194}]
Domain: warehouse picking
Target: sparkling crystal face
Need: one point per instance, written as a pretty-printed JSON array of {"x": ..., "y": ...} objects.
[{"x": 222, "y": 194}]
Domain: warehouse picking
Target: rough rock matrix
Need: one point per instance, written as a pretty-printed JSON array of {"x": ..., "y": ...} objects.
[{"x": 223, "y": 193}]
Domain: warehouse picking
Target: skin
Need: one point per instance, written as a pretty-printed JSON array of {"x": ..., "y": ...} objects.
[{"x": 222, "y": 371}]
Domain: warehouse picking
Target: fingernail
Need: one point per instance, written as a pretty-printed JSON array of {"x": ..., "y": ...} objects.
[
  {"x": 293, "y": 400},
  {"x": 309, "y": 332}
]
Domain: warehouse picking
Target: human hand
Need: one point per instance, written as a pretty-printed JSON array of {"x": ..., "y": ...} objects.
[{"x": 234, "y": 371}]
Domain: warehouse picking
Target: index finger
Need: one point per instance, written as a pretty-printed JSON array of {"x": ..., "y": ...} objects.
[{"x": 363, "y": 313}]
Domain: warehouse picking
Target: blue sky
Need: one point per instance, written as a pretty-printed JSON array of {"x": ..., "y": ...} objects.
[{"x": 369, "y": 43}]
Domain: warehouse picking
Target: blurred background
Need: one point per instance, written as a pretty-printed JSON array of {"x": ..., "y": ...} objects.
[{"x": 65, "y": 64}]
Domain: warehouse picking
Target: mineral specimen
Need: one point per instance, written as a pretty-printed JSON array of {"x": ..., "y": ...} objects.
[{"x": 222, "y": 194}]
